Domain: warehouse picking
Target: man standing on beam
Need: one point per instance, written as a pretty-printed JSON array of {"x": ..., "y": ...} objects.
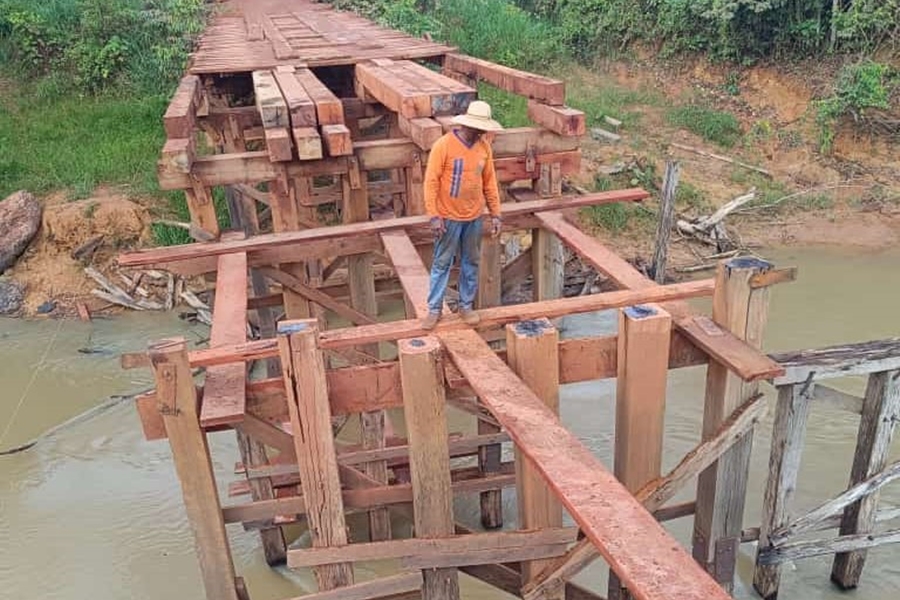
[{"x": 459, "y": 181}]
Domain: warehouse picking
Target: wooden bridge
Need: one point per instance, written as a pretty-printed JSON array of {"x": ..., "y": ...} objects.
[{"x": 298, "y": 115}]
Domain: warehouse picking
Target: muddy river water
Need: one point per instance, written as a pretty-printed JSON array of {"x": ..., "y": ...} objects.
[{"x": 92, "y": 511}]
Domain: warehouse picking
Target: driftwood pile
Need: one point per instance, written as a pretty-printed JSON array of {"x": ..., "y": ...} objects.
[{"x": 149, "y": 290}]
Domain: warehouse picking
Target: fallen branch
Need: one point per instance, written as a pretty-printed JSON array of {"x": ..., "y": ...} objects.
[
  {"x": 113, "y": 293},
  {"x": 725, "y": 159}
]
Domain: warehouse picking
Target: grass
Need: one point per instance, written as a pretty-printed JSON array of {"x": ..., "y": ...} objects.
[
  {"x": 598, "y": 100},
  {"x": 712, "y": 125}
]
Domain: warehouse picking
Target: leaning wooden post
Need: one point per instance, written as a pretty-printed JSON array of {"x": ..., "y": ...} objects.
[
  {"x": 177, "y": 399},
  {"x": 421, "y": 375},
  {"x": 788, "y": 434},
  {"x": 532, "y": 353},
  {"x": 307, "y": 399},
  {"x": 642, "y": 370},
  {"x": 880, "y": 413},
  {"x": 741, "y": 308}
]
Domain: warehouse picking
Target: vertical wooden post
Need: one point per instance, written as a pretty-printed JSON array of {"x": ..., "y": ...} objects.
[
  {"x": 641, "y": 374},
  {"x": 666, "y": 221},
  {"x": 721, "y": 489},
  {"x": 532, "y": 353},
  {"x": 881, "y": 411},
  {"x": 415, "y": 190},
  {"x": 203, "y": 210},
  {"x": 307, "y": 399},
  {"x": 361, "y": 280},
  {"x": 547, "y": 251},
  {"x": 788, "y": 434},
  {"x": 177, "y": 398},
  {"x": 421, "y": 376},
  {"x": 285, "y": 217}
]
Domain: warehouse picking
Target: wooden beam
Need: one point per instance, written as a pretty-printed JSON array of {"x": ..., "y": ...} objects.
[
  {"x": 278, "y": 144},
  {"x": 392, "y": 91},
  {"x": 329, "y": 109},
  {"x": 838, "y": 361},
  {"x": 532, "y": 353},
  {"x": 788, "y": 434},
  {"x": 721, "y": 488},
  {"x": 181, "y": 114},
  {"x": 845, "y": 544},
  {"x": 202, "y": 210},
  {"x": 300, "y": 105},
  {"x": 725, "y": 348},
  {"x": 522, "y": 83},
  {"x": 314, "y": 295},
  {"x": 424, "y": 132},
  {"x": 307, "y": 396},
  {"x": 177, "y": 156},
  {"x": 407, "y": 263},
  {"x": 643, "y": 555},
  {"x": 269, "y": 102},
  {"x": 429, "y": 457},
  {"x": 374, "y": 589},
  {"x": 337, "y": 140},
  {"x": 308, "y": 142},
  {"x": 436, "y": 551},
  {"x": 560, "y": 119},
  {"x": 881, "y": 411},
  {"x": 190, "y": 453}
]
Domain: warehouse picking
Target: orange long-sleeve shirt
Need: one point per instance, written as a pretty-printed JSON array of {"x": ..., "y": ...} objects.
[{"x": 460, "y": 179}]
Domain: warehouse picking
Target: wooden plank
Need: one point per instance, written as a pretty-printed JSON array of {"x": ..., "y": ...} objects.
[
  {"x": 178, "y": 405},
  {"x": 301, "y": 107},
  {"x": 725, "y": 348},
  {"x": 381, "y": 587},
  {"x": 329, "y": 109},
  {"x": 560, "y": 119},
  {"x": 307, "y": 396},
  {"x": 517, "y": 168},
  {"x": 314, "y": 295},
  {"x": 177, "y": 156},
  {"x": 392, "y": 91},
  {"x": 431, "y": 549},
  {"x": 844, "y": 544},
  {"x": 839, "y": 361},
  {"x": 278, "y": 144},
  {"x": 429, "y": 455},
  {"x": 424, "y": 132},
  {"x": 788, "y": 434},
  {"x": 337, "y": 140},
  {"x": 881, "y": 411},
  {"x": 181, "y": 114},
  {"x": 532, "y": 353},
  {"x": 644, "y": 556},
  {"x": 509, "y": 210},
  {"x": 528, "y": 553},
  {"x": 721, "y": 488},
  {"x": 308, "y": 142},
  {"x": 408, "y": 265},
  {"x": 224, "y": 390},
  {"x": 518, "y": 82},
  {"x": 269, "y": 102},
  {"x": 268, "y": 433}
]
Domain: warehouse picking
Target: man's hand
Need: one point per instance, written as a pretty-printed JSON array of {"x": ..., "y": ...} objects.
[
  {"x": 437, "y": 226},
  {"x": 496, "y": 226}
]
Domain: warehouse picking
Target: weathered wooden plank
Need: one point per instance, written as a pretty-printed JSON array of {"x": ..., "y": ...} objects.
[
  {"x": 559, "y": 119},
  {"x": 429, "y": 456},
  {"x": 382, "y": 587},
  {"x": 181, "y": 114},
  {"x": 529, "y": 553},
  {"x": 202, "y": 210},
  {"x": 392, "y": 91},
  {"x": 177, "y": 156},
  {"x": 337, "y": 140},
  {"x": 725, "y": 348},
  {"x": 838, "y": 361},
  {"x": 431, "y": 549},
  {"x": 319, "y": 297},
  {"x": 300, "y": 105},
  {"x": 881, "y": 411},
  {"x": 307, "y": 396},
  {"x": 269, "y": 102},
  {"x": 518, "y": 82},
  {"x": 329, "y": 109},
  {"x": 843, "y": 544},
  {"x": 408, "y": 265},
  {"x": 645, "y": 556},
  {"x": 424, "y": 132},
  {"x": 178, "y": 405},
  {"x": 278, "y": 144},
  {"x": 308, "y": 142}
]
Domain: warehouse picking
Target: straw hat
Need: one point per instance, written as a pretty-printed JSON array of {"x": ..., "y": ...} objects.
[{"x": 478, "y": 116}]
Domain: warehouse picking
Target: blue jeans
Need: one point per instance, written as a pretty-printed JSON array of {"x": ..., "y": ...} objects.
[{"x": 463, "y": 237}]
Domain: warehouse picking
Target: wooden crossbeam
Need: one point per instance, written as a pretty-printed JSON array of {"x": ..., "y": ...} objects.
[
  {"x": 308, "y": 142},
  {"x": 838, "y": 361},
  {"x": 181, "y": 114},
  {"x": 382, "y": 587},
  {"x": 177, "y": 156},
  {"x": 319, "y": 297},
  {"x": 225, "y": 392},
  {"x": 747, "y": 362},
  {"x": 424, "y": 132},
  {"x": 563, "y": 120},
  {"x": 841, "y": 544},
  {"x": 439, "y": 552},
  {"x": 541, "y": 88}
]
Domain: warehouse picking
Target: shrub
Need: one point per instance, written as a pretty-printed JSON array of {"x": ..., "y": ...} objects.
[{"x": 858, "y": 87}]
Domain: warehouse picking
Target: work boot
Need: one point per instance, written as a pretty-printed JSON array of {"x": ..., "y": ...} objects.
[
  {"x": 469, "y": 317},
  {"x": 429, "y": 322}
]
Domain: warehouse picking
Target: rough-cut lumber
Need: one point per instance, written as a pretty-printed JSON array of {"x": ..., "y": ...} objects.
[
  {"x": 177, "y": 156},
  {"x": 518, "y": 82},
  {"x": 278, "y": 144},
  {"x": 319, "y": 297},
  {"x": 519, "y": 168},
  {"x": 844, "y": 544},
  {"x": 268, "y": 433},
  {"x": 375, "y": 589},
  {"x": 178, "y": 405},
  {"x": 203, "y": 211},
  {"x": 337, "y": 140},
  {"x": 269, "y": 102},
  {"x": 725, "y": 348},
  {"x": 532, "y": 353},
  {"x": 307, "y": 398},
  {"x": 423, "y": 132},
  {"x": 563, "y": 120},
  {"x": 645, "y": 556},
  {"x": 308, "y": 142},
  {"x": 280, "y": 240},
  {"x": 224, "y": 390},
  {"x": 839, "y": 361},
  {"x": 300, "y": 106},
  {"x": 181, "y": 113},
  {"x": 550, "y": 583},
  {"x": 408, "y": 265},
  {"x": 392, "y": 91},
  {"x": 881, "y": 411},
  {"x": 329, "y": 109},
  {"x": 448, "y": 96},
  {"x": 429, "y": 455},
  {"x": 433, "y": 550},
  {"x": 788, "y": 434}
]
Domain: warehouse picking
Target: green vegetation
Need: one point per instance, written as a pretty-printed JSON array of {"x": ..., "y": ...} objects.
[
  {"x": 713, "y": 125},
  {"x": 859, "y": 87}
]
